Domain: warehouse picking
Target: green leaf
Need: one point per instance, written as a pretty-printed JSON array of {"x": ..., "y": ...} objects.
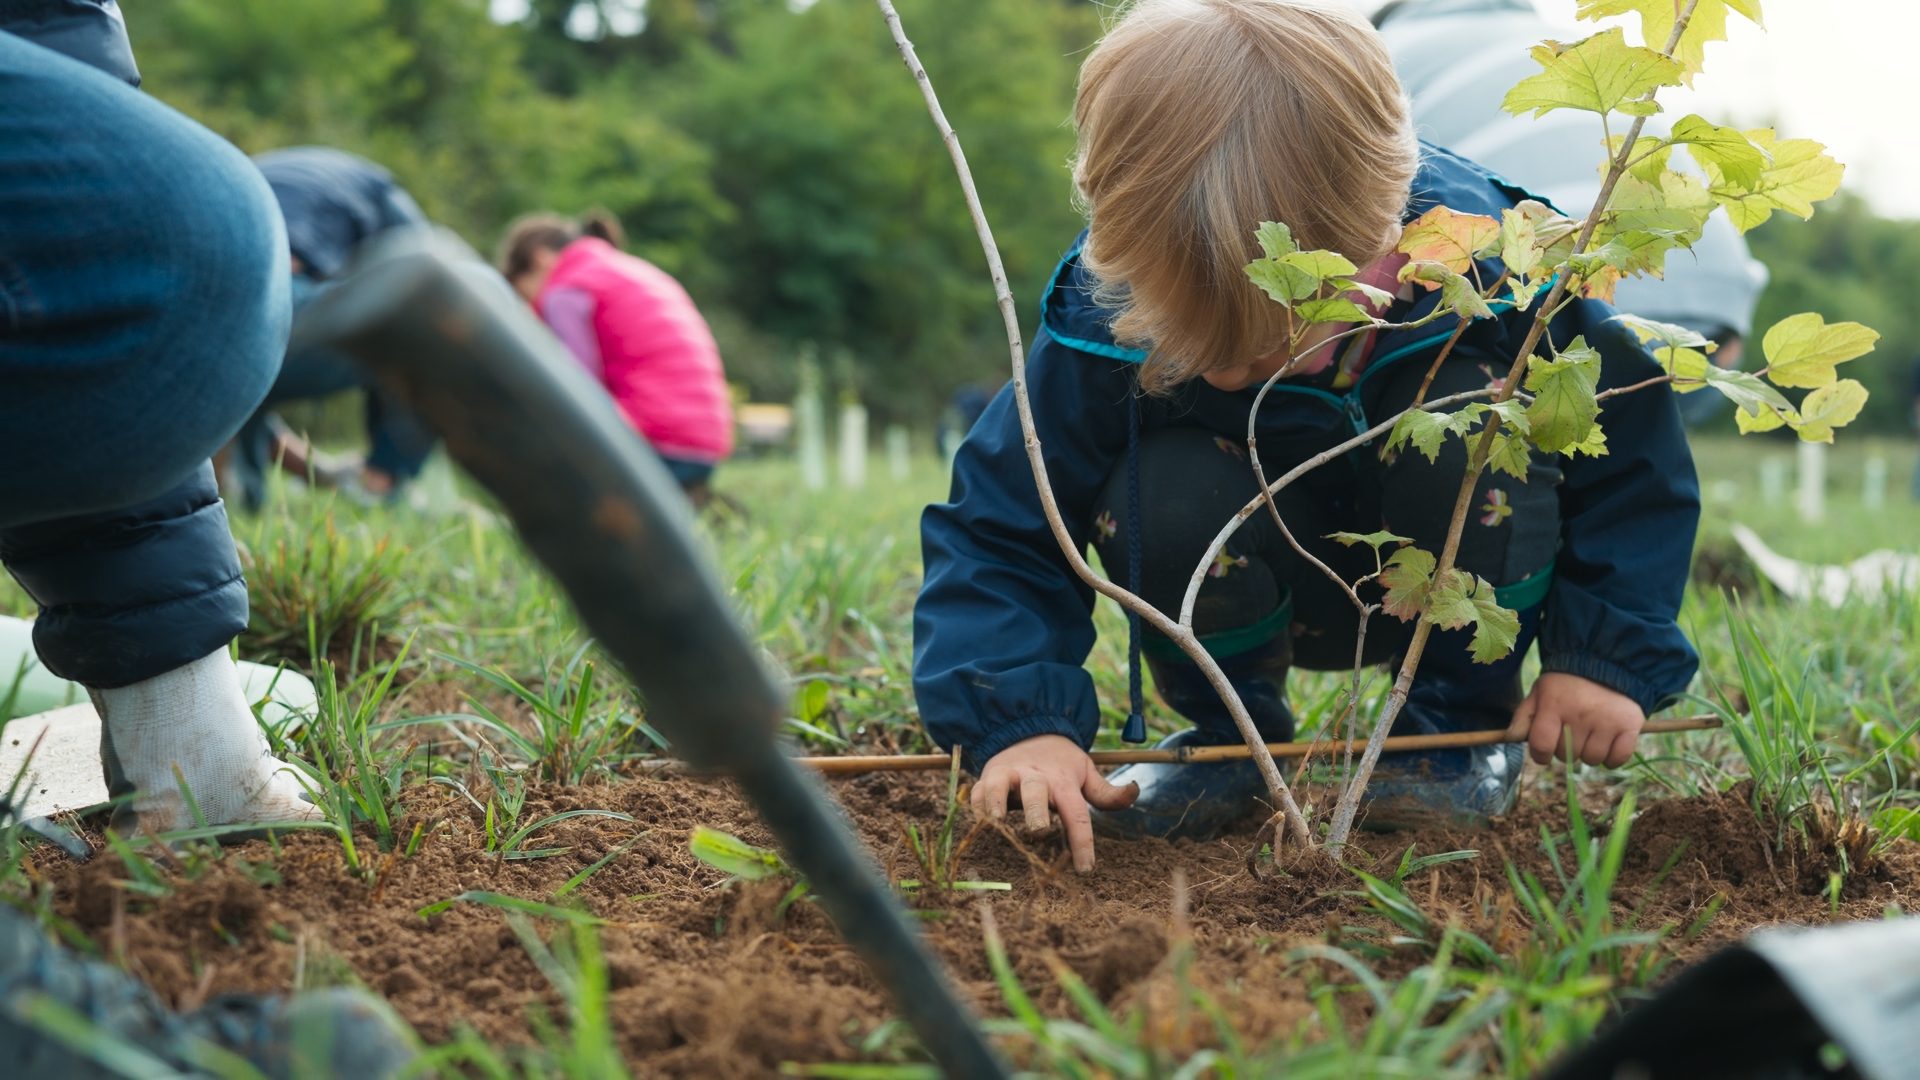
[
  {"x": 734, "y": 855},
  {"x": 1372, "y": 540},
  {"x": 1677, "y": 336},
  {"x": 1283, "y": 283},
  {"x": 1407, "y": 580},
  {"x": 1275, "y": 239},
  {"x": 1321, "y": 264},
  {"x": 1456, "y": 292},
  {"x": 1727, "y": 149},
  {"x": 1709, "y": 23},
  {"x": 1510, "y": 456},
  {"x": 1595, "y": 444},
  {"x": 1646, "y": 220},
  {"x": 1336, "y": 309},
  {"x": 1597, "y": 75},
  {"x": 813, "y": 700},
  {"x": 1563, "y": 408},
  {"x": 1800, "y": 175},
  {"x": 1684, "y": 364},
  {"x": 1450, "y": 239},
  {"x": 1765, "y": 418},
  {"x": 1519, "y": 240},
  {"x": 1461, "y": 599},
  {"x": 1831, "y": 406},
  {"x": 1803, "y": 349},
  {"x": 1745, "y": 389},
  {"x": 1378, "y": 298},
  {"x": 1425, "y": 430}
]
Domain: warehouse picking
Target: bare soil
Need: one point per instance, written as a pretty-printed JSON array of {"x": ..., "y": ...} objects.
[{"x": 707, "y": 983}]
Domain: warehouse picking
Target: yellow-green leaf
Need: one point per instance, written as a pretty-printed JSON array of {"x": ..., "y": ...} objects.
[
  {"x": 1763, "y": 418},
  {"x": 1831, "y": 406},
  {"x": 1725, "y": 148},
  {"x": 1460, "y": 599},
  {"x": 1275, "y": 239},
  {"x": 1598, "y": 75},
  {"x": 1281, "y": 281},
  {"x": 1456, "y": 292},
  {"x": 1407, "y": 578},
  {"x": 1745, "y": 389},
  {"x": 1801, "y": 173},
  {"x": 1649, "y": 330},
  {"x": 1684, "y": 364},
  {"x": 1709, "y": 23},
  {"x": 1450, "y": 239},
  {"x": 1519, "y": 237},
  {"x": 1595, "y": 444},
  {"x": 1803, "y": 349},
  {"x": 1425, "y": 430},
  {"x": 1336, "y": 309},
  {"x": 1373, "y": 539},
  {"x": 1563, "y": 408},
  {"x": 734, "y": 855},
  {"x": 1510, "y": 456}
]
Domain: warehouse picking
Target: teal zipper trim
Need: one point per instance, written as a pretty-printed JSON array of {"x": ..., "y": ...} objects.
[
  {"x": 1527, "y": 592},
  {"x": 1097, "y": 348},
  {"x": 1227, "y": 642}
]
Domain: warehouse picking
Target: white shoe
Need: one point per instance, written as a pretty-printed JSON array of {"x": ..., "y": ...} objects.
[{"x": 196, "y": 718}]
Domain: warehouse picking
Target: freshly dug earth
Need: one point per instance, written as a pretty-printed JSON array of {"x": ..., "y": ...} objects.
[{"x": 706, "y": 982}]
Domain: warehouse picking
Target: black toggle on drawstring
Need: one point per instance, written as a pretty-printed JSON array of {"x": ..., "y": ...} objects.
[{"x": 1136, "y": 729}]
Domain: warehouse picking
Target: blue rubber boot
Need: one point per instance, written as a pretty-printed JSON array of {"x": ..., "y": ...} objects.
[
  {"x": 1203, "y": 799},
  {"x": 1425, "y": 789}
]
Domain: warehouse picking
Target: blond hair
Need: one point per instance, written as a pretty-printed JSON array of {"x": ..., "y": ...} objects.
[{"x": 1199, "y": 119}]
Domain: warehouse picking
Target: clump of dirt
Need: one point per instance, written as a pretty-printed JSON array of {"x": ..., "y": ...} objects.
[{"x": 711, "y": 981}]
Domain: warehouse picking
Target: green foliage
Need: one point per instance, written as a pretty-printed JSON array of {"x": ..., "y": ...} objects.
[{"x": 773, "y": 159}]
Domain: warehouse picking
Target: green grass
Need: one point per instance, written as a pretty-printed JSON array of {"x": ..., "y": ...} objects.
[{"x": 438, "y": 629}]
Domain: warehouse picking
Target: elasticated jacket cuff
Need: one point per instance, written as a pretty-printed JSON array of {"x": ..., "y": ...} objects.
[
  {"x": 1026, "y": 727},
  {"x": 1607, "y": 674},
  {"x": 130, "y": 594}
]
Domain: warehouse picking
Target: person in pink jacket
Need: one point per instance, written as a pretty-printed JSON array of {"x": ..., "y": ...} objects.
[{"x": 635, "y": 329}]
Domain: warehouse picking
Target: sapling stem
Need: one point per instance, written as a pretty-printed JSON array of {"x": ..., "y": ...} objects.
[
  {"x": 1349, "y": 805},
  {"x": 1182, "y": 636}
]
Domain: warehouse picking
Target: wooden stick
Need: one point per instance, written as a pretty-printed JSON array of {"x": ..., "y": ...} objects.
[{"x": 1193, "y": 755}]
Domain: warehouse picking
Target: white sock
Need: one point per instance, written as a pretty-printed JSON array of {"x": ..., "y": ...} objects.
[{"x": 196, "y": 717}]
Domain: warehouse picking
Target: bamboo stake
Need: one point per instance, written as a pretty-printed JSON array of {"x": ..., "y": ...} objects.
[{"x": 1194, "y": 755}]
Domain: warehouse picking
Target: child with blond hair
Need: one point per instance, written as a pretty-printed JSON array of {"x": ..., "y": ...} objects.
[{"x": 1197, "y": 120}]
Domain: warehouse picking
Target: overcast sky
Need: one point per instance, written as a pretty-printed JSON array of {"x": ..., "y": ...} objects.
[{"x": 1839, "y": 71}]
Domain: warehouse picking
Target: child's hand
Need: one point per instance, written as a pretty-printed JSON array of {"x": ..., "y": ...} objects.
[
  {"x": 1051, "y": 769},
  {"x": 1602, "y": 724}
]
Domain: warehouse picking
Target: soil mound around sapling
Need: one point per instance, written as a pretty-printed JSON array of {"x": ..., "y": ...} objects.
[{"x": 718, "y": 982}]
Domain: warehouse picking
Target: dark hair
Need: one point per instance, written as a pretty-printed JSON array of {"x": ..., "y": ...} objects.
[{"x": 547, "y": 231}]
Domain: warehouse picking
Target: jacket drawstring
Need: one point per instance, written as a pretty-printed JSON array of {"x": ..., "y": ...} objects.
[{"x": 1136, "y": 729}]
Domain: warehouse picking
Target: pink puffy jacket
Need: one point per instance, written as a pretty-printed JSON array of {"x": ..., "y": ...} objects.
[{"x": 632, "y": 325}]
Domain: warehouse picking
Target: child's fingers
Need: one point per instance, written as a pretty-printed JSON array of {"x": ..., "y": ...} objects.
[
  {"x": 1623, "y": 747},
  {"x": 1079, "y": 823},
  {"x": 1105, "y": 795},
  {"x": 1544, "y": 740},
  {"x": 1034, "y": 801},
  {"x": 990, "y": 794}
]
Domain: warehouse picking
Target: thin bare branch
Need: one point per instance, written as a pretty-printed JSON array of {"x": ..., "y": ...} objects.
[
  {"x": 1295, "y": 473},
  {"x": 1270, "y": 773}
]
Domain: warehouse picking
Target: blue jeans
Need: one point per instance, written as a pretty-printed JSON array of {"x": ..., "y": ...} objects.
[
  {"x": 143, "y": 313},
  {"x": 399, "y": 441}
]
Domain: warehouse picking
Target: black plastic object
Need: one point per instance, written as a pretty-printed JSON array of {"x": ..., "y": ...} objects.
[
  {"x": 595, "y": 505},
  {"x": 1840, "y": 1001}
]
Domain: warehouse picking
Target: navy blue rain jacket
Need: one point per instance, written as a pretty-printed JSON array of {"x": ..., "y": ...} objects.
[
  {"x": 90, "y": 31},
  {"x": 1002, "y": 625},
  {"x": 332, "y": 200}
]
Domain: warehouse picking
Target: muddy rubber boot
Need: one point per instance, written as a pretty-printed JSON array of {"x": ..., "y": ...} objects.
[
  {"x": 1202, "y": 800},
  {"x": 332, "y": 1032},
  {"x": 1465, "y": 787},
  {"x": 319, "y": 1033},
  {"x": 196, "y": 718}
]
